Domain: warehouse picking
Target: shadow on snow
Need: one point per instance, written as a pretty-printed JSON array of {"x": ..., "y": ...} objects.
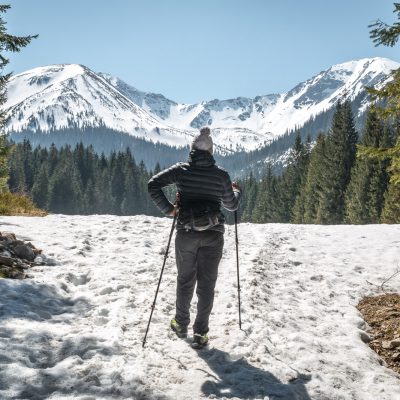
[
  {"x": 239, "y": 379},
  {"x": 36, "y": 359}
]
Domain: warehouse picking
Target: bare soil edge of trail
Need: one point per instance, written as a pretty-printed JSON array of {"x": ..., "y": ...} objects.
[{"x": 382, "y": 313}]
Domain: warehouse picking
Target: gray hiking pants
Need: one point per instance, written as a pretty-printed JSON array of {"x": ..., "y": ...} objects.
[{"x": 197, "y": 257}]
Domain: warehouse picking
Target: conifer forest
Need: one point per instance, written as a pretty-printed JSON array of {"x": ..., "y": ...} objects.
[{"x": 326, "y": 181}]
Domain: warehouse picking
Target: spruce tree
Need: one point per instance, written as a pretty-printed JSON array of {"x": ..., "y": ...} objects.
[
  {"x": 89, "y": 199},
  {"x": 310, "y": 192},
  {"x": 384, "y": 34},
  {"x": 250, "y": 197},
  {"x": 369, "y": 179},
  {"x": 388, "y": 35},
  {"x": 265, "y": 206},
  {"x": 298, "y": 208},
  {"x": 339, "y": 160},
  {"x": 41, "y": 187},
  {"x": 65, "y": 191},
  {"x": 4, "y": 168},
  {"x": 8, "y": 43},
  {"x": 391, "y": 210},
  {"x": 117, "y": 181},
  {"x": 105, "y": 201},
  {"x": 131, "y": 202}
]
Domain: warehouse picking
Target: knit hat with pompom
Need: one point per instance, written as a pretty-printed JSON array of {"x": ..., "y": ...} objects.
[{"x": 203, "y": 141}]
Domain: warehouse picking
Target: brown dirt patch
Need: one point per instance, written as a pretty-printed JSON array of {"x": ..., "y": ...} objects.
[{"x": 382, "y": 313}]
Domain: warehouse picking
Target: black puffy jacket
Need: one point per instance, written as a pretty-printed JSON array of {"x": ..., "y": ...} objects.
[{"x": 197, "y": 180}]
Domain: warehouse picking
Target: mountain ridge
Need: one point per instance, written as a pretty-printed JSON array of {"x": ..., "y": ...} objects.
[{"x": 71, "y": 95}]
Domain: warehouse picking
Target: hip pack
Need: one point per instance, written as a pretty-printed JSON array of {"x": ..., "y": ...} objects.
[{"x": 200, "y": 215}]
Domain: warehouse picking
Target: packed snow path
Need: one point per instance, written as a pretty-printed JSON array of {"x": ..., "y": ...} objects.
[{"x": 75, "y": 330}]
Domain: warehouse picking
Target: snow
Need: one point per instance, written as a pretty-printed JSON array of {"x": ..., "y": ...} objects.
[
  {"x": 75, "y": 330},
  {"x": 27, "y": 84},
  {"x": 58, "y": 96}
]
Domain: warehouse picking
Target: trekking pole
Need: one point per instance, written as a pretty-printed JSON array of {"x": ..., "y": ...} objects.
[
  {"x": 237, "y": 264},
  {"x": 159, "y": 280}
]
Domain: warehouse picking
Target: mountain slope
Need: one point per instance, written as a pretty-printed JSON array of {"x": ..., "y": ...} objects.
[{"x": 72, "y": 96}]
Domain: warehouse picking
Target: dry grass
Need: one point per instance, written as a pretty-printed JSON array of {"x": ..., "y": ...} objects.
[
  {"x": 382, "y": 313},
  {"x": 17, "y": 204}
]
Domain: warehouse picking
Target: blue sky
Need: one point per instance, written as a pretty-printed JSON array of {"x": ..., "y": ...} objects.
[{"x": 192, "y": 50}]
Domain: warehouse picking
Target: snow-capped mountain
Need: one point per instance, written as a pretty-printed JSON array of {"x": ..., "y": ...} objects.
[{"x": 63, "y": 96}]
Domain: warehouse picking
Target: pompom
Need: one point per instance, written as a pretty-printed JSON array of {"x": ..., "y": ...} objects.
[
  {"x": 203, "y": 141},
  {"x": 205, "y": 131}
]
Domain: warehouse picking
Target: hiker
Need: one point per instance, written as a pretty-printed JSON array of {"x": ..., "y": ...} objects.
[{"x": 202, "y": 188}]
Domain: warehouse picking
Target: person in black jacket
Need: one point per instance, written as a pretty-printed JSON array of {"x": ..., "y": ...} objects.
[{"x": 203, "y": 188}]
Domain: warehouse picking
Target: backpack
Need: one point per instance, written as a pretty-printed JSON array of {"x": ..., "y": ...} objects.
[{"x": 200, "y": 215}]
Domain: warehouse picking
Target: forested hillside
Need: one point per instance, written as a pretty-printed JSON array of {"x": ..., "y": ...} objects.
[{"x": 324, "y": 184}]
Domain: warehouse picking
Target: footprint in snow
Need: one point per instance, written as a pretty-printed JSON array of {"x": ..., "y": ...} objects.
[
  {"x": 106, "y": 290},
  {"x": 100, "y": 321},
  {"x": 104, "y": 312},
  {"x": 78, "y": 280},
  {"x": 317, "y": 278}
]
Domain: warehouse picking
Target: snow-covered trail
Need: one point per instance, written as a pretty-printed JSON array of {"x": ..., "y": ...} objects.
[{"x": 75, "y": 330}]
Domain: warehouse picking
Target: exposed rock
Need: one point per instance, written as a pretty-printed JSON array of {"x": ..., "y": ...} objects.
[
  {"x": 16, "y": 256},
  {"x": 382, "y": 313},
  {"x": 24, "y": 251},
  {"x": 5, "y": 260},
  {"x": 365, "y": 337},
  {"x": 7, "y": 236},
  {"x": 395, "y": 343},
  {"x": 386, "y": 344}
]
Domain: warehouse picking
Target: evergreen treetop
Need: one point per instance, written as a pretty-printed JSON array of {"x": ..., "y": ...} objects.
[
  {"x": 384, "y": 34},
  {"x": 8, "y": 43}
]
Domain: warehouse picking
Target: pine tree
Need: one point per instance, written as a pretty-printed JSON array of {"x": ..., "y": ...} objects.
[
  {"x": 340, "y": 156},
  {"x": 310, "y": 192},
  {"x": 105, "y": 201},
  {"x": 388, "y": 35},
  {"x": 146, "y": 206},
  {"x": 384, "y": 34},
  {"x": 89, "y": 198},
  {"x": 293, "y": 178},
  {"x": 391, "y": 210},
  {"x": 8, "y": 43},
  {"x": 28, "y": 165},
  {"x": 298, "y": 209},
  {"x": 16, "y": 179},
  {"x": 117, "y": 181},
  {"x": 4, "y": 168},
  {"x": 265, "y": 206},
  {"x": 53, "y": 158},
  {"x": 41, "y": 187},
  {"x": 369, "y": 179},
  {"x": 250, "y": 197},
  {"x": 131, "y": 202},
  {"x": 65, "y": 191}
]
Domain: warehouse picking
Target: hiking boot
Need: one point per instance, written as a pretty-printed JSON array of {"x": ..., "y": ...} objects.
[
  {"x": 180, "y": 330},
  {"x": 199, "y": 340}
]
